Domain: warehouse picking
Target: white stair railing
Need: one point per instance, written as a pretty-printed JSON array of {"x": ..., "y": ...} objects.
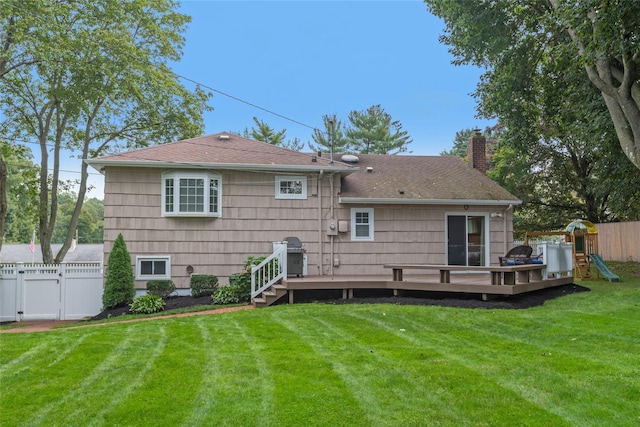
[{"x": 269, "y": 271}]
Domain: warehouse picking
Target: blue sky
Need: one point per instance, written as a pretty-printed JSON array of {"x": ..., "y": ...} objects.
[{"x": 304, "y": 59}]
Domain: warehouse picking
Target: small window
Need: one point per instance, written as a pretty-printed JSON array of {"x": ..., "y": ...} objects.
[
  {"x": 190, "y": 194},
  {"x": 362, "y": 224},
  {"x": 291, "y": 187},
  {"x": 153, "y": 267}
]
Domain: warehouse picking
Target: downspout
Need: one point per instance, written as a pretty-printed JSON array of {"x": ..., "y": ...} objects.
[
  {"x": 331, "y": 237},
  {"x": 320, "y": 253},
  {"x": 504, "y": 223}
]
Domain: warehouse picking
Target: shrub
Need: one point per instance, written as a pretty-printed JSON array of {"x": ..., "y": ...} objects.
[
  {"x": 147, "y": 304},
  {"x": 118, "y": 288},
  {"x": 225, "y": 295},
  {"x": 161, "y": 288},
  {"x": 203, "y": 284}
]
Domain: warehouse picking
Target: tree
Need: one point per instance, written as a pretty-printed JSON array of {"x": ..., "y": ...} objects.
[
  {"x": 20, "y": 192},
  {"x": 265, "y": 133},
  {"x": 16, "y": 20},
  {"x": 521, "y": 41},
  {"x": 373, "y": 131},
  {"x": 119, "y": 287},
  {"x": 90, "y": 223},
  {"x": 105, "y": 86},
  {"x": 331, "y": 139},
  {"x": 460, "y": 144}
]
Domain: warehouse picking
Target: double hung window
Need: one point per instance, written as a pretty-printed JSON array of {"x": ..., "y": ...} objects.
[{"x": 362, "y": 224}]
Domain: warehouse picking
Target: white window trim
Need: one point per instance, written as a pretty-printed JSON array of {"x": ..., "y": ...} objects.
[
  {"x": 176, "y": 176},
  {"x": 166, "y": 258},
  {"x": 281, "y": 178},
  {"x": 369, "y": 211}
]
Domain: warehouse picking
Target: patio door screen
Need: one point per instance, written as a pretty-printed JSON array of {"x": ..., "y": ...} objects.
[{"x": 466, "y": 240}]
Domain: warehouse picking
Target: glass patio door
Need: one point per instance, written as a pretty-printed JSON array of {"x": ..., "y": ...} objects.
[{"x": 466, "y": 240}]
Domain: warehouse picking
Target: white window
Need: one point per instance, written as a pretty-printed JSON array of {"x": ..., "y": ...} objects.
[
  {"x": 191, "y": 194},
  {"x": 153, "y": 267},
  {"x": 362, "y": 224},
  {"x": 291, "y": 187}
]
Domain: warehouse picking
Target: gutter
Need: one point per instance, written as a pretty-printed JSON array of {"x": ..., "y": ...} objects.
[{"x": 396, "y": 201}]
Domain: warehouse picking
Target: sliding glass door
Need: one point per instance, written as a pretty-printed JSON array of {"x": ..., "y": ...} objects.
[{"x": 466, "y": 239}]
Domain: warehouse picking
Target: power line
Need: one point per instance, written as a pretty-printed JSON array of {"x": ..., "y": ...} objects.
[{"x": 235, "y": 98}]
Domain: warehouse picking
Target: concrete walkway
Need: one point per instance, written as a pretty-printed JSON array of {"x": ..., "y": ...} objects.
[{"x": 48, "y": 325}]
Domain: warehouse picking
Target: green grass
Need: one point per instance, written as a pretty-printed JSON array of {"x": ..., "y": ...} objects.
[{"x": 573, "y": 361}]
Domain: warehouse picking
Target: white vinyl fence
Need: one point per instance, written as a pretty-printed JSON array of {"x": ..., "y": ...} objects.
[{"x": 50, "y": 292}]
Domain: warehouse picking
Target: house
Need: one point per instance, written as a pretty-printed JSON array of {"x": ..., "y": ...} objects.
[{"x": 203, "y": 205}]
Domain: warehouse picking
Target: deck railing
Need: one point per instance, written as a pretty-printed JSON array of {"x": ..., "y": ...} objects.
[{"x": 270, "y": 271}]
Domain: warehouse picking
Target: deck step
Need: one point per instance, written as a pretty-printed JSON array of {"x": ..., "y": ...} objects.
[{"x": 270, "y": 296}]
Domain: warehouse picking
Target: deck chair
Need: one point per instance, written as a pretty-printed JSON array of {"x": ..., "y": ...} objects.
[{"x": 519, "y": 255}]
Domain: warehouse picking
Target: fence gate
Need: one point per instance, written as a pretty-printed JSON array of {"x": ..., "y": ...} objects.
[
  {"x": 50, "y": 292},
  {"x": 40, "y": 291}
]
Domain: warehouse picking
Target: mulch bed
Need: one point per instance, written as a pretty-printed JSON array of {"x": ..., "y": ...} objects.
[
  {"x": 458, "y": 300},
  {"x": 522, "y": 301},
  {"x": 171, "y": 304}
]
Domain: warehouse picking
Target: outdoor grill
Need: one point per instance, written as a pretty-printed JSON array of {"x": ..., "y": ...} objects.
[{"x": 295, "y": 257}]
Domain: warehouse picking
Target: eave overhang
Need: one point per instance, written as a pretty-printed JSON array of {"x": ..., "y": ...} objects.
[
  {"x": 100, "y": 165},
  {"x": 398, "y": 201}
]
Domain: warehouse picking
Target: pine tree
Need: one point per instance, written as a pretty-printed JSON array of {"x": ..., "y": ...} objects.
[
  {"x": 119, "y": 289},
  {"x": 372, "y": 131},
  {"x": 332, "y": 133}
]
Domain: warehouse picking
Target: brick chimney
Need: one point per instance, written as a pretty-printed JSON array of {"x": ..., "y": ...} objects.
[{"x": 476, "y": 152}]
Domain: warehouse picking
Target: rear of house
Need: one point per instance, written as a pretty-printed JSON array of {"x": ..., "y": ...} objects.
[{"x": 203, "y": 205}]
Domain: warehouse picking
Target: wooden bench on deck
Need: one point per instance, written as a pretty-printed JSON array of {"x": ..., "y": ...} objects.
[{"x": 499, "y": 274}]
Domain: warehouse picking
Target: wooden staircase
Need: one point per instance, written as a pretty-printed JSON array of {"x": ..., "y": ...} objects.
[{"x": 269, "y": 296}]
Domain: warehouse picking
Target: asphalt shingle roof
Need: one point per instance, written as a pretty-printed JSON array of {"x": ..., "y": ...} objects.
[
  {"x": 411, "y": 178},
  {"x": 420, "y": 178},
  {"x": 213, "y": 149}
]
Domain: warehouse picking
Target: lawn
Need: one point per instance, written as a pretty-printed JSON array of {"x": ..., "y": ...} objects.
[{"x": 573, "y": 361}]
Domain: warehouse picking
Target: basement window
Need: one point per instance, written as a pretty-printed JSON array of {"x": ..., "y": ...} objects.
[{"x": 153, "y": 267}]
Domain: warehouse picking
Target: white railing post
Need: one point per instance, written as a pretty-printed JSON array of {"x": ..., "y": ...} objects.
[{"x": 266, "y": 274}]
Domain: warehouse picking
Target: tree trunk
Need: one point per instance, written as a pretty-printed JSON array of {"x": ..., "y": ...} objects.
[
  {"x": 623, "y": 108},
  {"x": 3, "y": 197}
]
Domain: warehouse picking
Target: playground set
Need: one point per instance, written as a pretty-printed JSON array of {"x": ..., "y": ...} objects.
[{"x": 583, "y": 237}]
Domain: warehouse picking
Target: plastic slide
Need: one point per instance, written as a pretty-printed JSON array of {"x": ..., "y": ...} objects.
[{"x": 604, "y": 270}]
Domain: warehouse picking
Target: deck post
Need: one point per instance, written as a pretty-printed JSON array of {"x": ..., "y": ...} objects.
[
  {"x": 290, "y": 296},
  {"x": 445, "y": 276},
  {"x": 344, "y": 293},
  {"x": 350, "y": 293}
]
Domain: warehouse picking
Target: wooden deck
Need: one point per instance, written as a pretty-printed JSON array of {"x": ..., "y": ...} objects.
[{"x": 473, "y": 282}]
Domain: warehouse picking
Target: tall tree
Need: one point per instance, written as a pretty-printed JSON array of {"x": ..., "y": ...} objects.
[
  {"x": 373, "y": 131},
  {"x": 518, "y": 39},
  {"x": 16, "y": 21},
  {"x": 265, "y": 133},
  {"x": 331, "y": 138},
  {"x": 106, "y": 86}
]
